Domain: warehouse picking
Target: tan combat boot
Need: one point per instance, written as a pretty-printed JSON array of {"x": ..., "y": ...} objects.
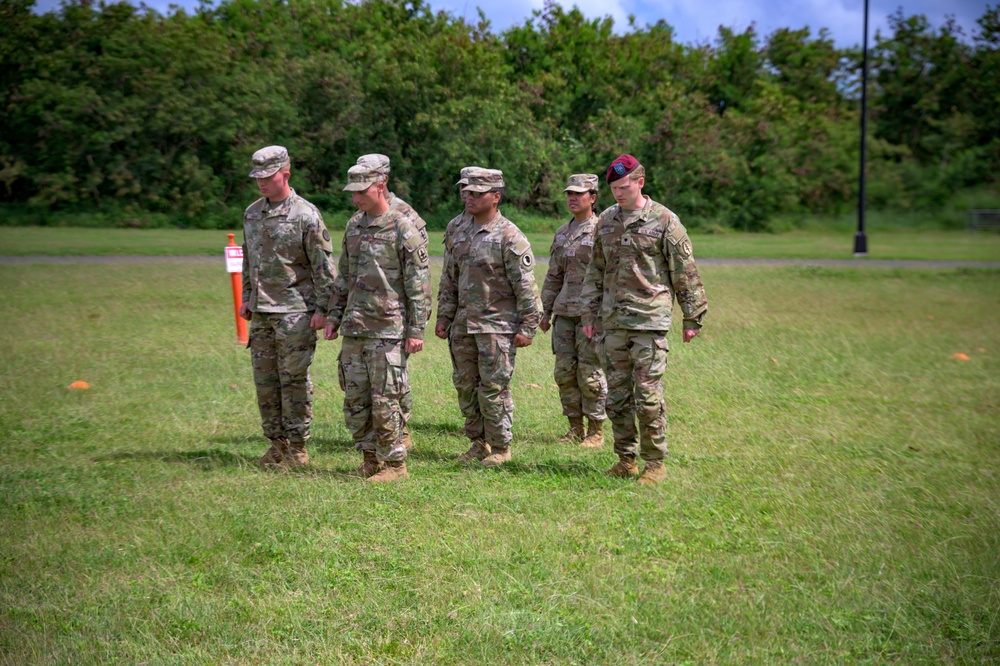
[
  {"x": 626, "y": 467},
  {"x": 497, "y": 457},
  {"x": 653, "y": 472},
  {"x": 392, "y": 470},
  {"x": 296, "y": 455},
  {"x": 274, "y": 456},
  {"x": 407, "y": 442},
  {"x": 479, "y": 450},
  {"x": 575, "y": 432},
  {"x": 369, "y": 466},
  {"x": 595, "y": 434}
]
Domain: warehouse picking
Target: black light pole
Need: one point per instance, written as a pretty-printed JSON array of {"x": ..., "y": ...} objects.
[{"x": 860, "y": 242}]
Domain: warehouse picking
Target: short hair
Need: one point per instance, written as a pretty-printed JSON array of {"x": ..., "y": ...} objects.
[
  {"x": 499, "y": 190},
  {"x": 639, "y": 172}
]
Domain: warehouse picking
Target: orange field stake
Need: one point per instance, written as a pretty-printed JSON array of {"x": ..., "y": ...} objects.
[{"x": 234, "y": 266}]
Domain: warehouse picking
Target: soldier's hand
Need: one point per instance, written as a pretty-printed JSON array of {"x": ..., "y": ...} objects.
[
  {"x": 690, "y": 333},
  {"x": 441, "y": 331},
  {"x": 521, "y": 341},
  {"x": 317, "y": 322},
  {"x": 330, "y": 332},
  {"x": 245, "y": 311},
  {"x": 589, "y": 331},
  {"x": 413, "y": 345},
  {"x": 544, "y": 325}
]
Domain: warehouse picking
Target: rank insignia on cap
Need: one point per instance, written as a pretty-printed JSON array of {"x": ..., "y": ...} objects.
[{"x": 620, "y": 169}]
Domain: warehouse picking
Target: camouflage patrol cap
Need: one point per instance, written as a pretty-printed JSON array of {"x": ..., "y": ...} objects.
[
  {"x": 582, "y": 182},
  {"x": 484, "y": 180},
  {"x": 377, "y": 160},
  {"x": 362, "y": 176},
  {"x": 464, "y": 180},
  {"x": 267, "y": 161}
]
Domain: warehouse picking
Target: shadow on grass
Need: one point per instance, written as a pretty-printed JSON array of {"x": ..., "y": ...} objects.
[
  {"x": 441, "y": 428},
  {"x": 203, "y": 458},
  {"x": 562, "y": 469}
]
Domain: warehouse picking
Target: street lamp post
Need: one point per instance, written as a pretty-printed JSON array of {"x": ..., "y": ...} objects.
[{"x": 860, "y": 241}]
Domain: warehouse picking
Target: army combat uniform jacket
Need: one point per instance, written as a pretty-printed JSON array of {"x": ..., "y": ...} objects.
[
  {"x": 488, "y": 281},
  {"x": 637, "y": 270},
  {"x": 287, "y": 262},
  {"x": 383, "y": 286},
  {"x": 569, "y": 257}
]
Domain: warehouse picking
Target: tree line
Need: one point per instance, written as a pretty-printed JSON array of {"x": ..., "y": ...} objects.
[{"x": 113, "y": 108}]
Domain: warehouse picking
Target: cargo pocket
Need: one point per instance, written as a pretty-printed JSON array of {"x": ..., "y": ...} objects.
[{"x": 395, "y": 374}]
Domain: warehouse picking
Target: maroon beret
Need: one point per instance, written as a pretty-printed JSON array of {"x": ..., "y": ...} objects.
[{"x": 621, "y": 167}]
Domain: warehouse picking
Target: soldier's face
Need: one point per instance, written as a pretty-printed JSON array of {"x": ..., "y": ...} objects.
[
  {"x": 477, "y": 203},
  {"x": 367, "y": 200},
  {"x": 628, "y": 192},
  {"x": 274, "y": 186},
  {"x": 579, "y": 202}
]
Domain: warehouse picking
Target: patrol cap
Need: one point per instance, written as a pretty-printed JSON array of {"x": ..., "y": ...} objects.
[
  {"x": 362, "y": 176},
  {"x": 267, "y": 161},
  {"x": 377, "y": 160},
  {"x": 582, "y": 182},
  {"x": 621, "y": 167},
  {"x": 484, "y": 180},
  {"x": 464, "y": 180}
]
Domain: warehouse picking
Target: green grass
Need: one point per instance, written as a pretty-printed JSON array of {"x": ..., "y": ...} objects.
[
  {"x": 833, "y": 491},
  {"x": 813, "y": 244}
]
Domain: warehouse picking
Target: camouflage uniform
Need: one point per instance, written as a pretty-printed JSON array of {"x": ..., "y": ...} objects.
[
  {"x": 288, "y": 275},
  {"x": 487, "y": 295},
  {"x": 633, "y": 277},
  {"x": 578, "y": 372},
  {"x": 382, "y": 163},
  {"x": 381, "y": 298}
]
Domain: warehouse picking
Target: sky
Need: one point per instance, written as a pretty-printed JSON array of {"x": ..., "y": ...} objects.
[{"x": 697, "y": 21}]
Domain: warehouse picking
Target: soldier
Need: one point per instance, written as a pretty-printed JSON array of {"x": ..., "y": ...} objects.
[
  {"x": 487, "y": 308},
  {"x": 380, "y": 303},
  {"x": 578, "y": 373},
  {"x": 288, "y": 277},
  {"x": 381, "y": 162},
  {"x": 456, "y": 222},
  {"x": 642, "y": 259}
]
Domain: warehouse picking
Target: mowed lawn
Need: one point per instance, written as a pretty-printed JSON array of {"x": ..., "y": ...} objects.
[
  {"x": 833, "y": 490},
  {"x": 895, "y": 243}
]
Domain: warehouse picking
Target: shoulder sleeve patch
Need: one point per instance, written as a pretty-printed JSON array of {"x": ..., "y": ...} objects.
[
  {"x": 676, "y": 231},
  {"x": 521, "y": 246},
  {"x": 413, "y": 242}
]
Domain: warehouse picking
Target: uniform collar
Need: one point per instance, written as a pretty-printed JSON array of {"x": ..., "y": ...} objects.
[
  {"x": 489, "y": 226},
  {"x": 376, "y": 220},
  {"x": 644, "y": 212},
  {"x": 585, "y": 227},
  {"x": 283, "y": 207}
]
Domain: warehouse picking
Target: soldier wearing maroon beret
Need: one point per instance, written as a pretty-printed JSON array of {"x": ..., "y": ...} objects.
[{"x": 642, "y": 259}]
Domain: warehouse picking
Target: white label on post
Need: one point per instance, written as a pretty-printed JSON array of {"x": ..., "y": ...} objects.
[{"x": 234, "y": 259}]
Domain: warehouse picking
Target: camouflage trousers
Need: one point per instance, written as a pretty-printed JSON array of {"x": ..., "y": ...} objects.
[
  {"x": 482, "y": 367},
  {"x": 635, "y": 362},
  {"x": 372, "y": 374},
  {"x": 282, "y": 348},
  {"x": 578, "y": 374}
]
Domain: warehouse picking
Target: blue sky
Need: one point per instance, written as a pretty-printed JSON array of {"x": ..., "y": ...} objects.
[{"x": 696, "y": 21}]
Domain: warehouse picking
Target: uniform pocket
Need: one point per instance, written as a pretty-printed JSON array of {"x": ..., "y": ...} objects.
[{"x": 395, "y": 373}]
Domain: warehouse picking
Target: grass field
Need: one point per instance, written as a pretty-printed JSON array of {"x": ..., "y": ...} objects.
[
  {"x": 812, "y": 244},
  {"x": 833, "y": 491}
]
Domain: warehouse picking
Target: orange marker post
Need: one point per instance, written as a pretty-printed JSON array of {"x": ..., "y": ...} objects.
[{"x": 234, "y": 266}]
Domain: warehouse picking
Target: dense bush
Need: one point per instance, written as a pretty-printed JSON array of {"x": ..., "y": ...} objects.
[{"x": 124, "y": 112}]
